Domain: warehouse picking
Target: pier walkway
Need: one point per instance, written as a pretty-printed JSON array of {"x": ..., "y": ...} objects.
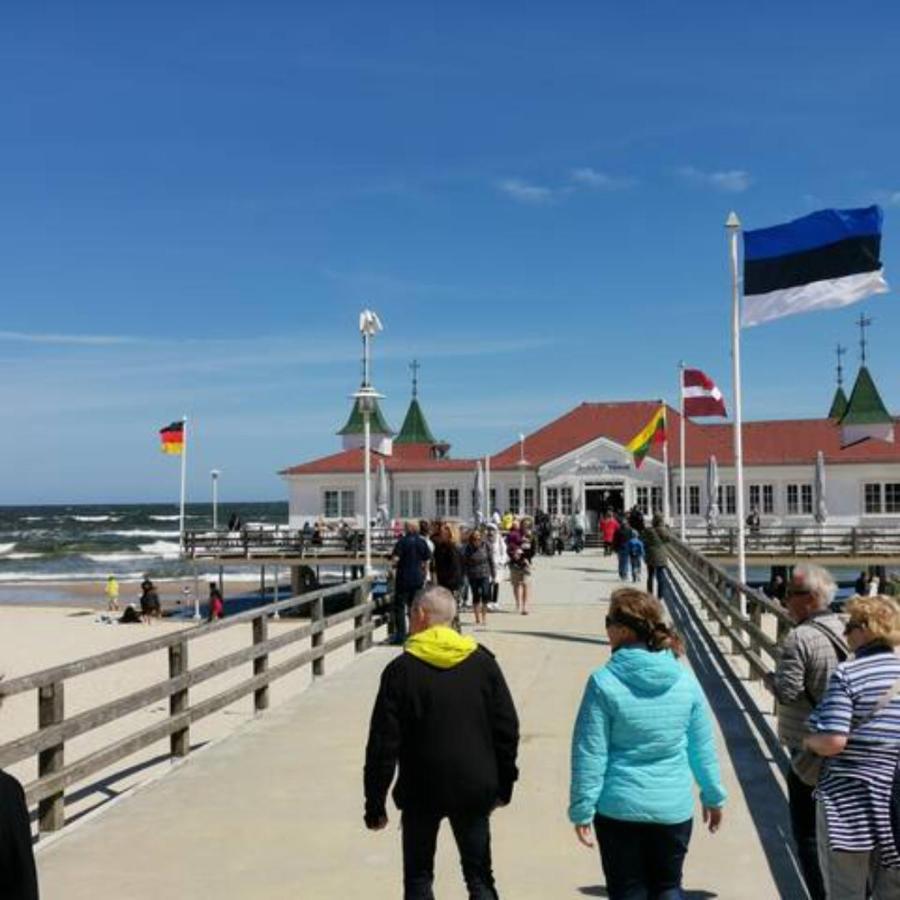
[{"x": 275, "y": 810}]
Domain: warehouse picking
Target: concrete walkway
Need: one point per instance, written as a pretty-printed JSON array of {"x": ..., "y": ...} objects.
[{"x": 275, "y": 811}]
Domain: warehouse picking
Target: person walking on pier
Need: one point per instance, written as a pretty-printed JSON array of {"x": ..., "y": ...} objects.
[
  {"x": 642, "y": 736},
  {"x": 857, "y": 729},
  {"x": 480, "y": 571},
  {"x": 656, "y": 537},
  {"x": 410, "y": 559},
  {"x": 445, "y": 715},
  {"x": 809, "y": 654}
]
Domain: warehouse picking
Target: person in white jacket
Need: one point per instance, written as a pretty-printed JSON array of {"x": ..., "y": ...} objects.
[{"x": 498, "y": 548}]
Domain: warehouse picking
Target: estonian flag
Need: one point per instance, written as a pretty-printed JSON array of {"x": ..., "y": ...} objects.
[{"x": 825, "y": 260}]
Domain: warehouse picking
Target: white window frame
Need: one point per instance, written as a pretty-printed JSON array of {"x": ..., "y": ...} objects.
[
  {"x": 552, "y": 501},
  {"x": 512, "y": 498},
  {"x": 566, "y": 501},
  {"x": 345, "y": 503},
  {"x": 801, "y": 503},
  {"x": 727, "y": 499},
  {"x": 642, "y": 498},
  {"x": 764, "y": 500},
  {"x": 882, "y": 487}
]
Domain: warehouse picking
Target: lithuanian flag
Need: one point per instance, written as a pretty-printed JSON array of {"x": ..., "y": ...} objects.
[
  {"x": 654, "y": 432},
  {"x": 172, "y": 437}
]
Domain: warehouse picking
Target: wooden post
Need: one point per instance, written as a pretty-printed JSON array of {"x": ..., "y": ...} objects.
[
  {"x": 316, "y": 615},
  {"x": 51, "y": 710},
  {"x": 180, "y": 740},
  {"x": 363, "y": 641},
  {"x": 260, "y": 663},
  {"x": 755, "y": 610}
]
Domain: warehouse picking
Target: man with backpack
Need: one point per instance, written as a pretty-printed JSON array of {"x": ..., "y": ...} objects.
[
  {"x": 809, "y": 654},
  {"x": 624, "y": 533}
]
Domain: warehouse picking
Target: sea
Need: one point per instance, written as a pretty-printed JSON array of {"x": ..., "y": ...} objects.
[{"x": 40, "y": 544}]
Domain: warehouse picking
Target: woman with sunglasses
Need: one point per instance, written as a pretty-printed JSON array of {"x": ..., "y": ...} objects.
[
  {"x": 857, "y": 727},
  {"x": 643, "y": 738}
]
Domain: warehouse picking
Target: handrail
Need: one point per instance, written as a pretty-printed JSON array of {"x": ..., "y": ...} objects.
[
  {"x": 55, "y": 774},
  {"x": 799, "y": 540}
]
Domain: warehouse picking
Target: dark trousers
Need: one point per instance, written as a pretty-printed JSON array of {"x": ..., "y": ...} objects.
[
  {"x": 481, "y": 590},
  {"x": 624, "y": 563},
  {"x": 399, "y": 608},
  {"x": 660, "y": 574},
  {"x": 642, "y": 860},
  {"x": 473, "y": 840},
  {"x": 803, "y": 826}
]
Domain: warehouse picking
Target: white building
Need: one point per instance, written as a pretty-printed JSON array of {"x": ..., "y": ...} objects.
[{"x": 579, "y": 460}]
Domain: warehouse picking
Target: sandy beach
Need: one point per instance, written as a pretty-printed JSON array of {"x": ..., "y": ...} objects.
[{"x": 39, "y": 631}]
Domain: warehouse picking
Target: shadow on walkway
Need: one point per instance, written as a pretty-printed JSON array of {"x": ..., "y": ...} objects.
[
  {"x": 548, "y": 636},
  {"x": 733, "y": 706},
  {"x": 597, "y": 890}
]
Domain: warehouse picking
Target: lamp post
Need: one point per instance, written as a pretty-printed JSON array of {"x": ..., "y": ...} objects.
[
  {"x": 367, "y": 400},
  {"x": 214, "y": 475}
]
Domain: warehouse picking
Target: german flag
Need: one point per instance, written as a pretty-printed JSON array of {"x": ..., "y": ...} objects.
[
  {"x": 654, "y": 432},
  {"x": 172, "y": 437}
]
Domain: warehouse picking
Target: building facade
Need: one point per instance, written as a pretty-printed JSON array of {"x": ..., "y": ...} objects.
[{"x": 578, "y": 463}]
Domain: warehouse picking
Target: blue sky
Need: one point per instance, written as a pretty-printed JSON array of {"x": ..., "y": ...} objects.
[{"x": 198, "y": 199}]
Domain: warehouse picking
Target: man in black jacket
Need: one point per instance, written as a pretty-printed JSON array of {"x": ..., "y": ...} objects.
[
  {"x": 445, "y": 714},
  {"x": 18, "y": 880}
]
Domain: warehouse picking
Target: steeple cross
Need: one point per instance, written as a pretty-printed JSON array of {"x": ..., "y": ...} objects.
[
  {"x": 414, "y": 368},
  {"x": 864, "y": 322},
  {"x": 840, "y": 369}
]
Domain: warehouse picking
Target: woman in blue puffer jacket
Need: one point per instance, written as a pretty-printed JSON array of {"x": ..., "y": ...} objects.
[{"x": 643, "y": 738}]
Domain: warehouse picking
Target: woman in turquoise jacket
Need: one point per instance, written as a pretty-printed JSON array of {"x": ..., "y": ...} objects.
[{"x": 643, "y": 738}]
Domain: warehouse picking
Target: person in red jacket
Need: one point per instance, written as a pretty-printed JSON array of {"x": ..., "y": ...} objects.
[{"x": 609, "y": 525}]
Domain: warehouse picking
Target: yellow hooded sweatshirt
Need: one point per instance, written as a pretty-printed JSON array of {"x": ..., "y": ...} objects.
[{"x": 441, "y": 646}]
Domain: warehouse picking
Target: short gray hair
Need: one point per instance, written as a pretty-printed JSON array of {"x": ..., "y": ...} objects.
[
  {"x": 438, "y": 604},
  {"x": 817, "y": 581}
]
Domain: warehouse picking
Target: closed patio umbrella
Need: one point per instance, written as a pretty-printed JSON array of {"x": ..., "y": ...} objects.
[
  {"x": 820, "y": 511},
  {"x": 478, "y": 494},
  {"x": 712, "y": 492},
  {"x": 382, "y": 503}
]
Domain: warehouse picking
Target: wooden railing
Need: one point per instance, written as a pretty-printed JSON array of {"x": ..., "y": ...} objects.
[
  {"x": 755, "y": 636},
  {"x": 54, "y": 729},
  {"x": 282, "y": 541},
  {"x": 798, "y": 541}
]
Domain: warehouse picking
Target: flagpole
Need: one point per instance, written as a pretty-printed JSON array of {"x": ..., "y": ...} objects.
[
  {"x": 184, "y": 450},
  {"x": 681, "y": 452},
  {"x": 487, "y": 489},
  {"x": 665, "y": 455},
  {"x": 733, "y": 225}
]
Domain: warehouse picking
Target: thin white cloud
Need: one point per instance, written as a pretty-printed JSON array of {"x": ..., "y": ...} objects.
[
  {"x": 86, "y": 340},
  {"x": 601, "y": 181},
  {"x": 524, "y": 192},
  {"x": 730, "y": 181}
]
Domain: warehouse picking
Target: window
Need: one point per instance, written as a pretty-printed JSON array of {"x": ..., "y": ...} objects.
[
  {"x": 553, "y": 501},
  {"x": 565, "y": 501},
  {"x": 440, "y": 503},
  {"x": 453, "y": 503},
  {"x": 493, "y": 500},
  {"x": 529, "y": 501},
  {"x": 762, "y": 496},
  {"x": 892, "y": 498},
  {"x": 410, "y": 504},
  {"x": 340, "y": 504},
  {"x": 513, "y": 504},
  {"x": 693, "y": 499},
  {"x": 656, "y": 499},
  {"x": 727, "y": 499},
  {"x": 799, "y": 499},
  {"x": 643, "y": 499},
  {"x": 881, "y": 498}
]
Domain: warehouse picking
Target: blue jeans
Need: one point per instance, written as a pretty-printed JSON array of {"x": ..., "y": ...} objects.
[
  {"x": 399, "y": 608},
  {"x": 660, "y": 574},
  {"x": 624, "y": 564},
  {"x": 642, "y": 860}
]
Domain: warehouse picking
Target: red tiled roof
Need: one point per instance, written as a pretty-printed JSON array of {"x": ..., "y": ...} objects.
[
  {"x": 773, "y": 442},
  {"x": 405, "y": 458}
]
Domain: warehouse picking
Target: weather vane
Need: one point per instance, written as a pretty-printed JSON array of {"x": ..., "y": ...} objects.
[
  {"x": 414, "y": 367},
  {"x": 840, "y": 369},
  {"x": 864, "y": 322}
]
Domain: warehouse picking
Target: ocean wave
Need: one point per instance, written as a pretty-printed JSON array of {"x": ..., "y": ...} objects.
[
  {"x": 95, "y": 518},
  {"x": 166, "y": 549},
  {"x": 5, "y": 548},
  {"x": 32, "y": 518},
  {"x": 168, "y": 518},
  {"x": 22, "y": 555},
  {"x": 143, "y": 532},
  {"x": 122, "y": 556}
]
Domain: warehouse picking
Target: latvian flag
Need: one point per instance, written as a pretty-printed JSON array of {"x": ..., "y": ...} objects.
[
  {"x": 654, "y": 432},
  {"x": 825, "y": 260},
  {"x": 172, "y": 437},
  {"x": 700, "y": 396}
]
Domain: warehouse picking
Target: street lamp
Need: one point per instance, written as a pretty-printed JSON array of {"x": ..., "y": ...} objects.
[
  {"x": 214, "y": 475},
  {"x": 367, "y": 400}
]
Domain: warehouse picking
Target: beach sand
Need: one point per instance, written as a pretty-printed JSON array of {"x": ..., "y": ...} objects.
[{"x": 36, "y": 637}]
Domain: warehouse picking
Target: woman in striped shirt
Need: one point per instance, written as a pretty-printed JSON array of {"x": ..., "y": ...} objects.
[{"x": 857, "y": 726}]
